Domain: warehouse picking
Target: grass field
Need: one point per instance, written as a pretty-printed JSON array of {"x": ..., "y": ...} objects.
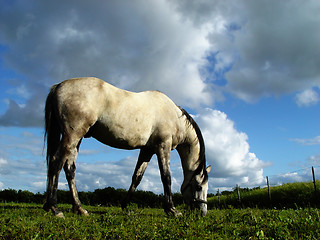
[
  {"x": 29, "y": 221},
  {"x": 290, "y": 195}
]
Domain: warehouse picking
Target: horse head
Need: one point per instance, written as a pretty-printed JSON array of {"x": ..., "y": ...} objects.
[{"x": 195, "y": 191}]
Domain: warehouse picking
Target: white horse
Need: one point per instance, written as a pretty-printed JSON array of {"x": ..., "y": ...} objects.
[{"x": 149, "y": 121}]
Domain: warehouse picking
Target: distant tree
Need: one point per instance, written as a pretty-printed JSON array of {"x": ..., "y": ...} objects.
[
  {"x": 108, "y": 196},
  {"x": 64, "y": 196},
  {"x": 39, "y": 198},
  {"x": 25, "y": 196},
  {"x": 8, "y": 195}
]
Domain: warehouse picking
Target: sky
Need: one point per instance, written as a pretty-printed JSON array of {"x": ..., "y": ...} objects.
[{"x": 247, "y": 71}]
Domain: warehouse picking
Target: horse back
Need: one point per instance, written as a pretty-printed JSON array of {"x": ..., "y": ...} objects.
[{"x": 116, "y": 117}]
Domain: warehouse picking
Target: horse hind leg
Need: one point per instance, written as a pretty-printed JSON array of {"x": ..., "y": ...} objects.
[
  {"x": 65, "y": 157},
  {"x": 69, "y": 169},
  {"x": 55, "y": 165}
]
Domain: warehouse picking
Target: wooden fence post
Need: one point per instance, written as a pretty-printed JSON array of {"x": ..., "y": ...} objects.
[
  {"x": 314, "y": 184},
  {"x": 238, "y": 191},
  {"x": 219, "y": 196},
  {"x": 269, "y": 194}
]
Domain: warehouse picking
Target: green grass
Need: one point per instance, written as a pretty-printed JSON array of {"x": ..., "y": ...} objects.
[
  {"x": 290, "y": 195},
  {"x": 29, "y": 221}
]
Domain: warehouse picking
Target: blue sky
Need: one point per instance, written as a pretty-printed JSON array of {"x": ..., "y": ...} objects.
[{"x": 248, "y": 71}]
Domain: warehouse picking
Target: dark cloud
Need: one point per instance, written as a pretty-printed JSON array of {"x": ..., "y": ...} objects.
[
  {"x": 261, "y": 48},
  {"x": 27, "y": 115},
  {"x": 265, "y": 47},
  {"x": 277, "y": 50},
  {"x": 134, "y": 46}
]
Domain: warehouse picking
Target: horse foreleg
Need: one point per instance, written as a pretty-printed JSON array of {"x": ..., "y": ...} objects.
[
  {"x": 164, "y": 165},
  {"x": 142, "y": 163}
]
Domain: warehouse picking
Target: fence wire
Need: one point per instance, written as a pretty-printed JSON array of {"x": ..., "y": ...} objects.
[{"x": 299, "y": 175}]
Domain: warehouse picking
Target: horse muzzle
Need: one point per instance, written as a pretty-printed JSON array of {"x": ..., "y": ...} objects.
[{"x": 201, "y": 205}]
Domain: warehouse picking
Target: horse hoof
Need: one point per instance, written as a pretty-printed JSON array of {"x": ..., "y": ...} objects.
[
  {"x": 60, "y": 215},
  {"x": 83, "y": 212},
  {"x": 176, "y": 213},
  {"x": 55, "y": 210},
  {"x": 80, "y": 211},
  {"x": 173, "y": 211}
]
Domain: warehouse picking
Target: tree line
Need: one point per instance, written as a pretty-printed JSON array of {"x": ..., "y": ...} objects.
[
  {"x": 289, "y": 195},
  {"x": 106, "y": 197}
]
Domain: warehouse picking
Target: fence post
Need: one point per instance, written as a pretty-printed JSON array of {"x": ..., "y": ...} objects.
[
  {"x": 269, "y": 194},
  {"x": 314, "y": 184},
  {"x": 238, "y": 191},
  {"x": 219, "y": 196}
]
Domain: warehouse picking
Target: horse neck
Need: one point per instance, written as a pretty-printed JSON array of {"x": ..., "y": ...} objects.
[{"x": 189, "y": 153}]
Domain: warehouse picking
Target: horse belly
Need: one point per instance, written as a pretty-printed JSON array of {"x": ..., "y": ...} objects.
[{"x": 119, "y": 137}]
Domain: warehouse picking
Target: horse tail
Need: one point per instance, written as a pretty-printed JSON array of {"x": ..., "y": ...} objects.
[{"x": 52, "y": 130}]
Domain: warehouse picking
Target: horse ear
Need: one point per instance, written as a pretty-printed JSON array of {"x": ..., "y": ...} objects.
[{"x": 208, "y": 169}]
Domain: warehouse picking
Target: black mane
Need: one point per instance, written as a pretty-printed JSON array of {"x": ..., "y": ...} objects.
[{"x": 202, "y": 157}]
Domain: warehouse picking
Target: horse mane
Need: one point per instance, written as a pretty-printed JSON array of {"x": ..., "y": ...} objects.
[{"x": 202, "y": 158}]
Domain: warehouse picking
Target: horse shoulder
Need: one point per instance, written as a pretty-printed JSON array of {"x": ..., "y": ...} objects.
[{"x": 169, "y": 122}]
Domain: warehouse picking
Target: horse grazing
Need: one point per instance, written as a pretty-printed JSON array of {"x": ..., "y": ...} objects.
[{"x": 89, "y": 107}]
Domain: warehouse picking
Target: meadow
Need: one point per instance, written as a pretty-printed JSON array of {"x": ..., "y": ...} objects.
[
  {"x": 29, "y": 221},
  {"x": 289, "y": 195}
]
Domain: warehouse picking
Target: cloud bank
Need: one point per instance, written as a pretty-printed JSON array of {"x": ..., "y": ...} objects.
[
  {"x": 136, "y": 46},
  {"x": 266, "y": 48},
  {"x": 201, "y": 48}
]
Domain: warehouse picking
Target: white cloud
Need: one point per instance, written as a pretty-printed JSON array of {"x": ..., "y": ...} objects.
[
  {"x": 88, "y": 151},
  {"x": 309, "y": 141},
  {"x": 118, "y": 174},
  {"x": 3, "y": 162},
  {"x": 314, "y": 160},
  {"x": 227, "y": 150},
  {"x": 307, "y": 98},
  {"x": 24, "y": 174},
  {"x": 22, "y": 144}
]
